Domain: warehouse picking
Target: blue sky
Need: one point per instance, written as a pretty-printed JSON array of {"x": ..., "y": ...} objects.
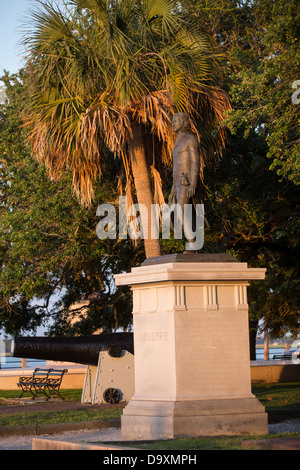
[{"x": 12, "y": 13}]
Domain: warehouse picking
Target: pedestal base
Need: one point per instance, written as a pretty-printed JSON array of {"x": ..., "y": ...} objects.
[
  {"x": 153, "y": 420},
  {"x": 191, "y": 349}
]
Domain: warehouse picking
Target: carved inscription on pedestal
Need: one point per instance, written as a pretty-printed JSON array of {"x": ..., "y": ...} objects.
[
  {"x": 212, "y": 354},
  {"x": 153, "y": 336}
]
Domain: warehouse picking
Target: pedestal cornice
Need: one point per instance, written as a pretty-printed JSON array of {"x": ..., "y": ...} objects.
[{"x": 190, "y": 271}]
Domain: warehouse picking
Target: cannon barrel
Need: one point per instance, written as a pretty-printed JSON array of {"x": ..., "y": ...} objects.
[{"x": 78, "y": 349}]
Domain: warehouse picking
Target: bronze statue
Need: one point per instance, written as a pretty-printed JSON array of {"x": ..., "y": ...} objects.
[{"x": 186, "y": 169}]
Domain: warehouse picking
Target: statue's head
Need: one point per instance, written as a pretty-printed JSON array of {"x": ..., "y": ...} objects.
[{"x": 180, "y": 122}]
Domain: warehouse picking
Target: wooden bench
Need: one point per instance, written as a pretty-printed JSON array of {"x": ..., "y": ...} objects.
[
  {"x": 46, "y": 381},
  {"x": 283, "y": 357}
]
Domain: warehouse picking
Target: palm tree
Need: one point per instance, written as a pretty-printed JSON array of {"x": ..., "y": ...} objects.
[{"x": 105, "y": 74}]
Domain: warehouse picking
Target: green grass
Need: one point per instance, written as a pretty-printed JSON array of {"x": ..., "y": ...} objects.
[
  {"x": 220, "y": 443},
  {"x": 73, "y": 395},
  {"x": 36, "y": 418},
  {"x": 278, "y": 395},
  {"x": 208, "y": 443},
  {"x": 272, "y": 396}
]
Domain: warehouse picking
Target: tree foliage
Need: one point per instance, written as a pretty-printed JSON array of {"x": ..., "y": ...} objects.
[
  {"x": 261, "y": 42},
  {"x": 50, "y": 255},
  {"x": 105, "y": 65},
  {"x": 253, "y": 197}
]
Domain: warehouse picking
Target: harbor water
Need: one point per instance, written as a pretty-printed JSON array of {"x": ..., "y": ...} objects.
[
  {"x": 272, "y": 351},
  {"x": 8, "y": 362}
]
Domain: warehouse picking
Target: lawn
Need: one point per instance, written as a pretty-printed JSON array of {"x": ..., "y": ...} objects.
[
  {"x": 53, "y": 417},
  {"x": 272, "y": 396},
  {"x": 73, "y": 395},
  {"x": 278, "y": 395},
  {"x": 37, "y": 418},
  {"x": 209, "y": 443}
]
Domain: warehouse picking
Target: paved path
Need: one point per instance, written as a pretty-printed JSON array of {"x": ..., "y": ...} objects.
[
  {"x": 111, "y": 434},
  {"x": 25, "y": 442}
]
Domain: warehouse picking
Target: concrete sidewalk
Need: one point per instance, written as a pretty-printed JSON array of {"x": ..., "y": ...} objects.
[{"x": 81, "y": 437}]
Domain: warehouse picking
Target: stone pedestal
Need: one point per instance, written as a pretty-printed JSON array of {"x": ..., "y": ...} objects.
[{"x": 191, "y": 346}]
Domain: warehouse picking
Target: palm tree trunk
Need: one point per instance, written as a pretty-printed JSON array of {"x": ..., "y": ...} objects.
[{"x": 142, "y": 181}]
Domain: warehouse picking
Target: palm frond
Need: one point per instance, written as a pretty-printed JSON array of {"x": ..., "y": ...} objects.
[
  {"x": 162, "y": 13},
  {"x": 51, "y": 25},
  {"x": 103, "y": 65}
]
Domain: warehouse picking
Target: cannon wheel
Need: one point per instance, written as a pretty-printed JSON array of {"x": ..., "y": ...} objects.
[{"x": 112, "y": 396}]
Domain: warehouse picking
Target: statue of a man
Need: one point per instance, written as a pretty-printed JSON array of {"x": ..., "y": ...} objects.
[{"x": 186, "y": 168}]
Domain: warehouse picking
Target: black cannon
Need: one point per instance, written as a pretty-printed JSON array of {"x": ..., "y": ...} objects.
[{"x": 78, "y": 349}]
